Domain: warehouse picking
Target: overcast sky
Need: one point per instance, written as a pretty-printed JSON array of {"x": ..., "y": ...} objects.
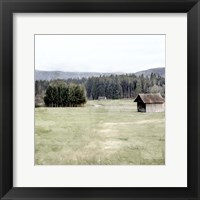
[{"x": 99, "y": 53}]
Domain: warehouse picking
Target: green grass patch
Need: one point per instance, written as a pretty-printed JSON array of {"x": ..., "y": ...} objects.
[{"x": 109, "y": 132}]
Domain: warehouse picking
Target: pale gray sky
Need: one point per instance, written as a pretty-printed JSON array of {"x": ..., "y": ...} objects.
[{"x": 99, "y": 53}]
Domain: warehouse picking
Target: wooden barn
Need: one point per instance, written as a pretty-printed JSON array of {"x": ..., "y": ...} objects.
[{"x": 150, "y": 103}]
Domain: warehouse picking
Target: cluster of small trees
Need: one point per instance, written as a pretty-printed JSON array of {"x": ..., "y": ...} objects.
[
  {"x": 42, "y": 85},
  {"x": 65, "y": 96}
]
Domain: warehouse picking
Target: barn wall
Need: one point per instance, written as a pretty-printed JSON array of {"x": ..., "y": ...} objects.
[{"x": 155, "y": 107}]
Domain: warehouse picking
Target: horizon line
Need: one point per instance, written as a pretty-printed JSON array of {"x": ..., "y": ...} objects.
[{"x": 95, "y": 71}]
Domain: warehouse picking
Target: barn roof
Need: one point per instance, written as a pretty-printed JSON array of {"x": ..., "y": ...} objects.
[{"x": 150, "y": 98}]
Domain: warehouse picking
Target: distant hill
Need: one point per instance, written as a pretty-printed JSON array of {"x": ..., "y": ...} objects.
[
  {"x": 158, "y": 71},
  {"x": 52, "y": 75}
]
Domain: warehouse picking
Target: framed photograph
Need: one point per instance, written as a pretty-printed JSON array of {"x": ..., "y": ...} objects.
[
  {"x": 99, "y": 99},
  {"x": 92, "y": 95}
]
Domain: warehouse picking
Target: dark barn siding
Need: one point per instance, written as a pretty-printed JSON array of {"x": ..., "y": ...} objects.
[{"x": 141, "y": 107}]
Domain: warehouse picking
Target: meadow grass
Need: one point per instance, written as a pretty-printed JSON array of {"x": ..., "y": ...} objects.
[{"x": 107, "y": 132}]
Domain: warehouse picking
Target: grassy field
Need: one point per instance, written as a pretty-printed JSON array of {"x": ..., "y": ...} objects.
[{"x": 109, "y": 132}]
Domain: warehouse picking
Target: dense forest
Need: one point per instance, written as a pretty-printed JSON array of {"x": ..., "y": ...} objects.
[{"x": 112, "y": 87}]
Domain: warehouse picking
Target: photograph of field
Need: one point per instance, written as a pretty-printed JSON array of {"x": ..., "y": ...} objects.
[{"x": 100, "y": 100}]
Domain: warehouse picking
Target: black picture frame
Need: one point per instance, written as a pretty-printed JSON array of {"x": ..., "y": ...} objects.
[{"x": 8, "y": 7}]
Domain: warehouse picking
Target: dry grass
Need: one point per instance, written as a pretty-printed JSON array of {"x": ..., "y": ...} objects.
[{"x": 108, "y": 132}]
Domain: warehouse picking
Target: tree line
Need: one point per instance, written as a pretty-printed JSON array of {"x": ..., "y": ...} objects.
[
  {"x": 65, "y": 96},
  {"x": 111, "y": 87},
  {"x": 124, "y": 86}
]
